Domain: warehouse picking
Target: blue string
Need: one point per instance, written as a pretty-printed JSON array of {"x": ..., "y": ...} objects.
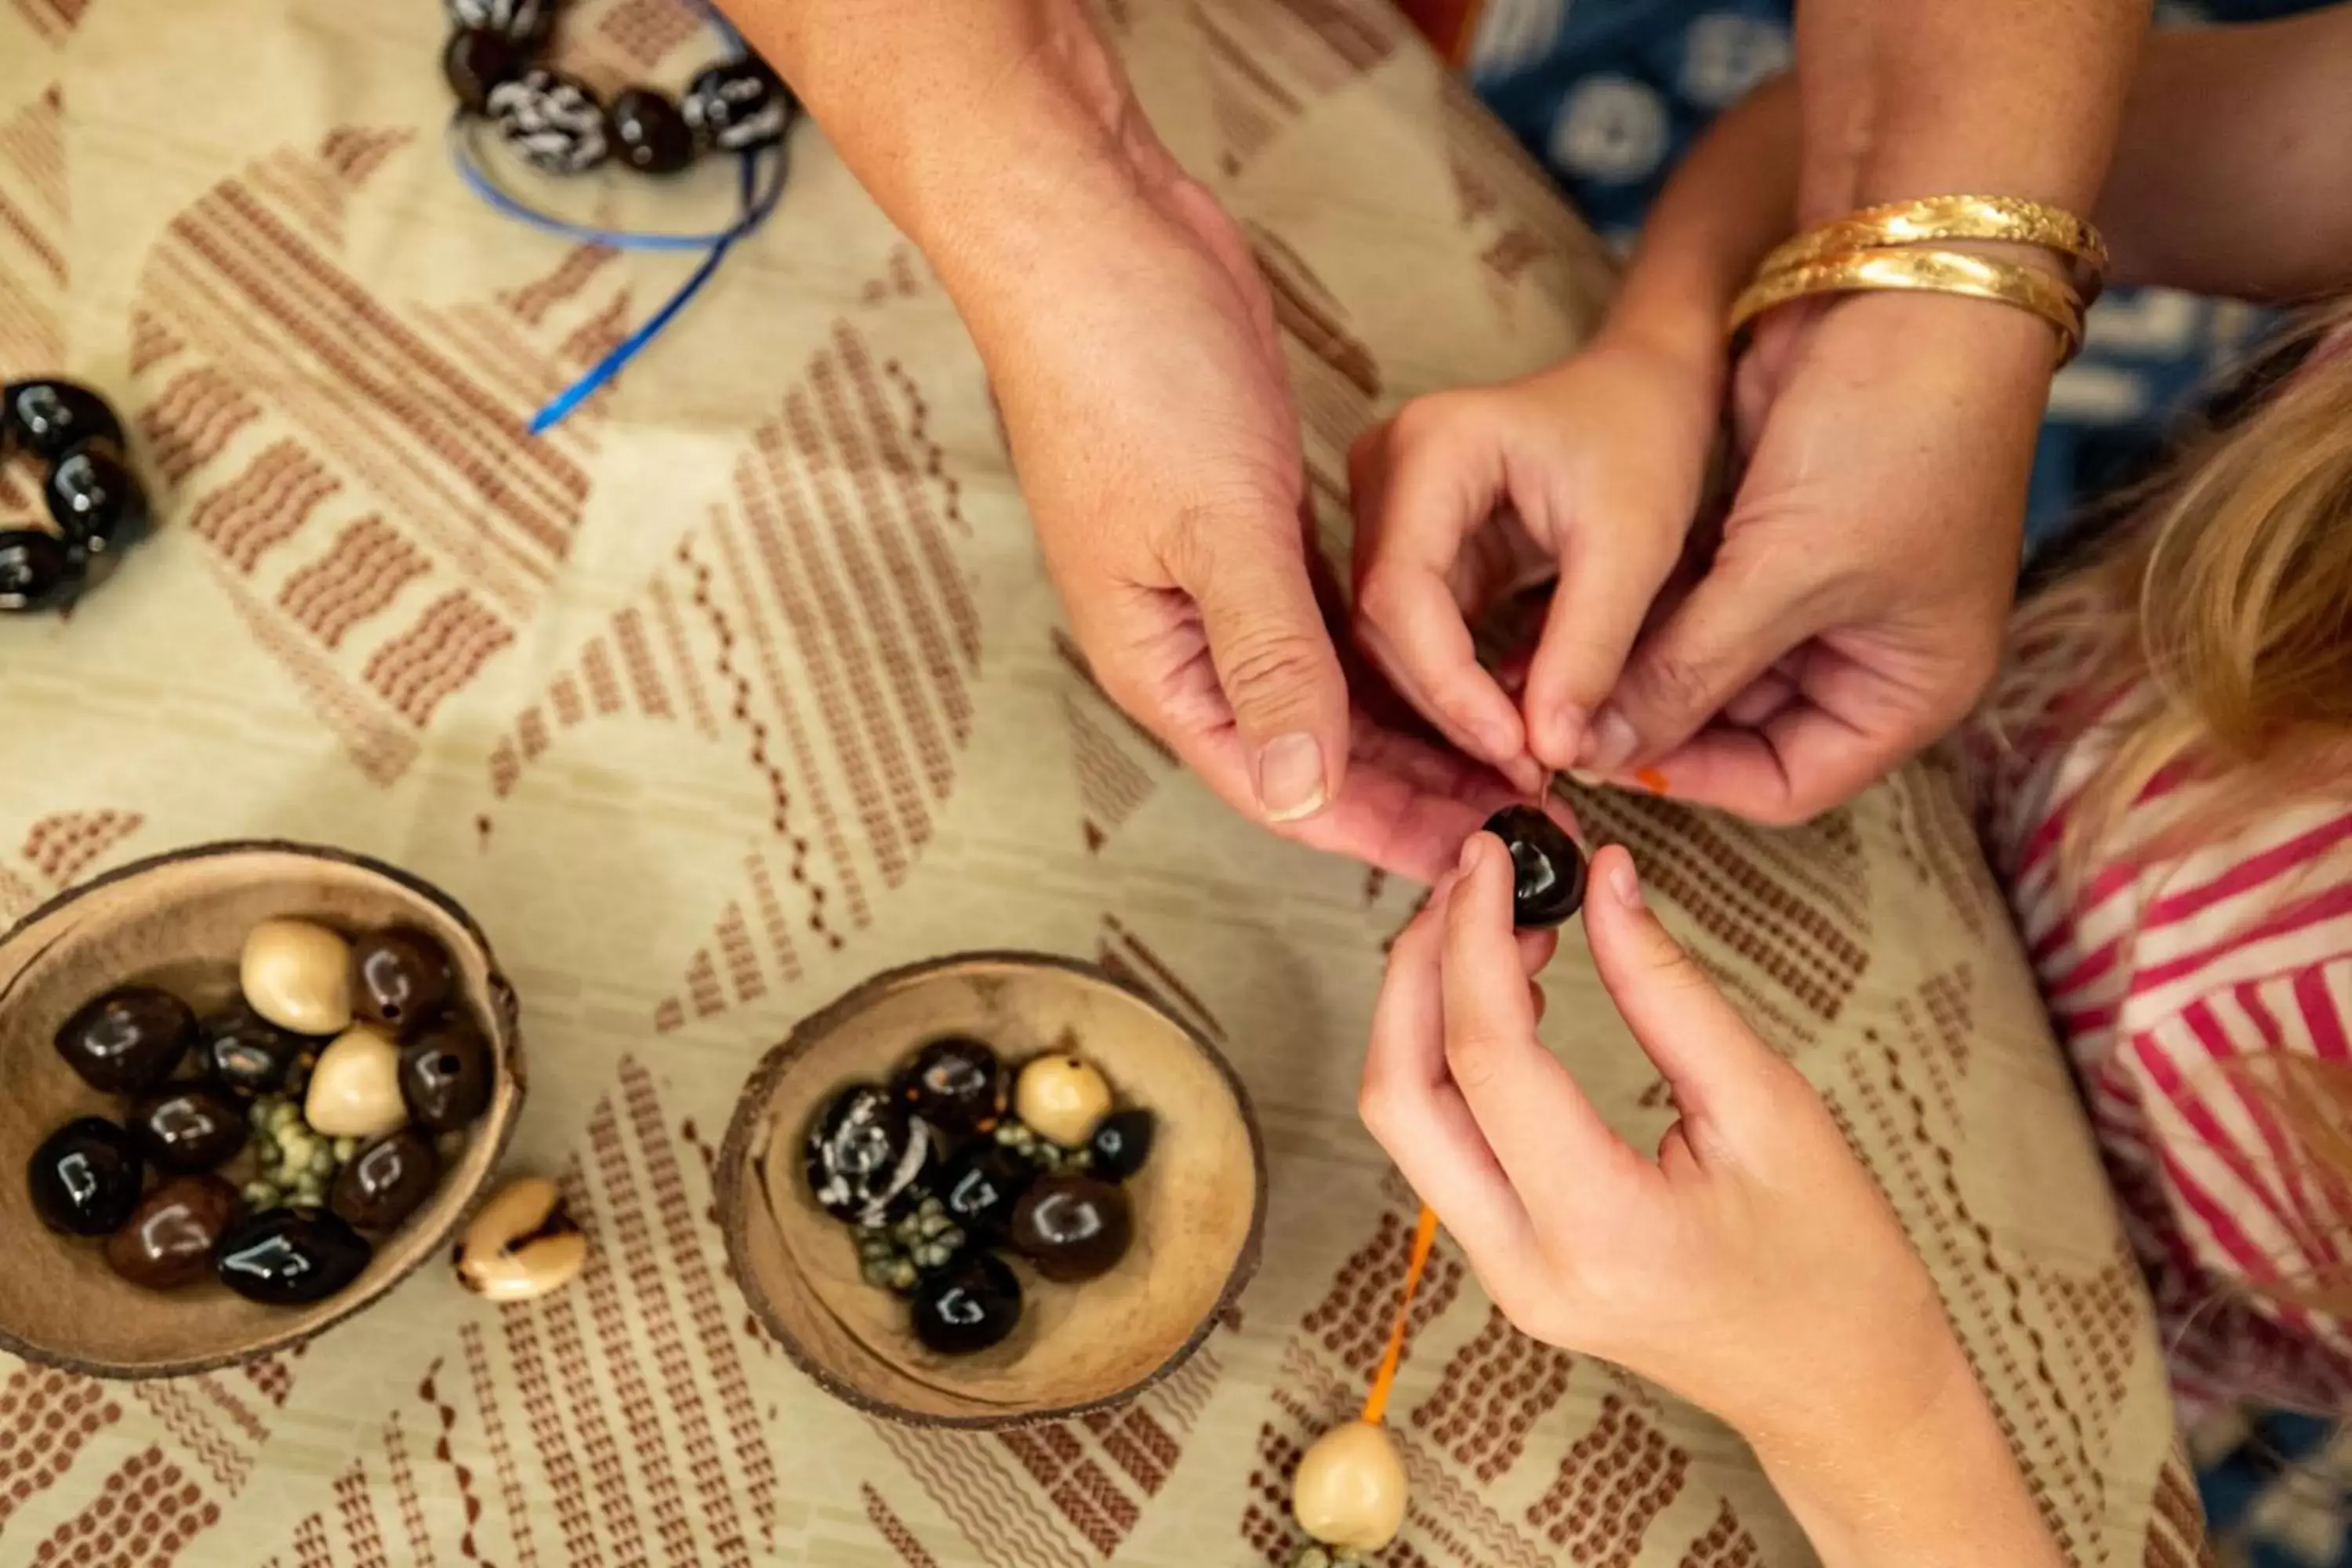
[{"x": 754, "y": 204}]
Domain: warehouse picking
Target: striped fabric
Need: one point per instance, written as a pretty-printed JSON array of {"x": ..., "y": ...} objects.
[{"x": 2167, "y": 981}]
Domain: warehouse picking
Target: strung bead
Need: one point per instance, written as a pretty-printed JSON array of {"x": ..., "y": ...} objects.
[
  {"x": 36, "y": 571},
  {"x": 552, "y": 120},
  {"x": 96, "y": 500},
  {"x": 650, "y": 133},
  {"x": 476, "y": 60},
  {"x": 525, "y": 21},
  {"x": 48, "y": 418},
  {"x": 739, "y": 106}
]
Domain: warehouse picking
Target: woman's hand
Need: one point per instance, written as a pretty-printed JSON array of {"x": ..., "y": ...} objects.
[
  {"x": 1751, "y": 1265},
  {"x": 1590, "y": 471}
]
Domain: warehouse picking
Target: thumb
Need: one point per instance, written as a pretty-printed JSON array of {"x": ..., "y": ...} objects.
[
  {"x": 1731, "y": 628},
  {"x": 1275, "y": 661},
  {"x": 1722, "y": 1076}
]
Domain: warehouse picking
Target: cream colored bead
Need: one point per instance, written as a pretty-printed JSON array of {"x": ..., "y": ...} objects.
[
  {"x": 1350, "y": 1492},
  {"x": 522, "y": 1243},
  {"x": 1060, "y": 1098},
  {"x": 354, "y": 1091},
  {"x": 298, "y": 974}
]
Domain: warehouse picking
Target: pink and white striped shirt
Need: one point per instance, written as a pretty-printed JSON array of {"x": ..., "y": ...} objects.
[{"x": 2159, "y": 977}]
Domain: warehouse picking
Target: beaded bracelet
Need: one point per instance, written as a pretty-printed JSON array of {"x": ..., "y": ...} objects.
[
  {"x": 555, "y": 123},
  {"x": 93, "y": 497}
]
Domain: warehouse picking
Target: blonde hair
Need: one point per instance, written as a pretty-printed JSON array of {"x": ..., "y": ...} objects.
[{"x": 2208, "y": 638}]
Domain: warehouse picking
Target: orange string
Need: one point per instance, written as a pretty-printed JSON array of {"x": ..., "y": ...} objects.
[
  {"x": 1425, "y": 1235},
  {"x": 1650, "y": 779}
]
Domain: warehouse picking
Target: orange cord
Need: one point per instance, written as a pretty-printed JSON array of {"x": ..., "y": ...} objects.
[
  {"x": 1424, "y": 1236},
  {"x": 1650, "y": 779}
]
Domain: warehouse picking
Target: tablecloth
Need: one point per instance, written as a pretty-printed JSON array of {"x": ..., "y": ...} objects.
[{"x": 745, "y": 684}]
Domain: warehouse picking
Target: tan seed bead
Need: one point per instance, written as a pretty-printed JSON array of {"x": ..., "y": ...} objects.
[
  {"x": 1061, "y": 1098},
  {"x": 355, "y": 1092},
  {"x": 523, "y": 1244},
  {"x": 1350, "y": 1492},
  {"x": 297, "y": 974}
]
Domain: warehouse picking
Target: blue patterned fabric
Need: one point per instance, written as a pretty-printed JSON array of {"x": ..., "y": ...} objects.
[{"x": 1609, "y": 94}]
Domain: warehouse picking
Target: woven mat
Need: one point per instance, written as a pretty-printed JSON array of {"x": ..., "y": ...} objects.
[{"x": 746, "y": 684}]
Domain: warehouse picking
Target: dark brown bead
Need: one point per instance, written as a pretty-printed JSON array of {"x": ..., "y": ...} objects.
[
  {"x": 477, "y": 59},
  {"x": 649, "y": 132},
  {"x": 1546, "y": 868},
  {"x": 170, "y": 1239},
  {"x": 401, "y": 978},
  {"x": 248, "y": 1055},
  {"x": 1072, "y": 1227},
  {"x": 128, "y": 1041},
  {"x": 446, "y": 1075},
  {"x": 972, "y": 1303},
  {"x": 189, "y": 1126},
  {"x": 38, "y": 571},
  {"x": 385, "y": 1181},
  {"x": 957, "y": 1084}
]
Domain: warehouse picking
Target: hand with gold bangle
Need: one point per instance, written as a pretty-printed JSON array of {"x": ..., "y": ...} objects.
[{"x": 1884, "y": 248}]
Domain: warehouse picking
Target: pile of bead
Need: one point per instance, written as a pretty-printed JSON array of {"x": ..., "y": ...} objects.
[{"x": 94, "y": 500}]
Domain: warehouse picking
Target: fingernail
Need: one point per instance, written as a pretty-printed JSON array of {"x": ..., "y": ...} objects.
[
  {"x": 1625, "y": 885},
  {"x": 1574, "y": 724},
  {"x": 1469, "y": 856},
  {"x": 1290, "y": 778},
  {"x": 1608, "y": 744}
]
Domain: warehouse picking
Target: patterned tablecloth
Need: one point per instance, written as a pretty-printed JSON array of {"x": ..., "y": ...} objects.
[{"x": 746, "y": 684}]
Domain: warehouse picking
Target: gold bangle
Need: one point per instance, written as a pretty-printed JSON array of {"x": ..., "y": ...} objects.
[
  {"x": 2005, "y": 220},
  {"x": 1922, "y": 272}
]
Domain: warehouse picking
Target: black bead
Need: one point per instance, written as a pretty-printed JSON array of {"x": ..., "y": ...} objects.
[
  {"x": 524, "y": 21},
  {"x": 84, "y": 1178},
  {"x": 1121, "y": 1143},
  {"x": 740, "y": 105},
  {"x": 38, "y": 572},
  {"x": 189, "y": 1127},
  {"x": 127, "y": 1041},
  {"x": 48, "y": 417},
  {"x": 957, "y": 1084},
  {"x": 248, "y": 1055},
  {"x": 650, "y": 132},
  {"x": 290, "y": 1257},
  {"x": 866, "y": 1156},
  {"x": 474, "y": 61},
  {"x": 1072, "y": 1227},
  {"x": 980, "y": 1187},
  {"x": 1548, "y": 868},
  {"x": 96, "y": 500},
  {"x": 552, "y": 120},
  {"x": 968, "y": 1306}
]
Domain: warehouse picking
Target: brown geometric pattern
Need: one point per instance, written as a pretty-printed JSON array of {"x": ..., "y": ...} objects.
[{"x": 745, "y": 682}]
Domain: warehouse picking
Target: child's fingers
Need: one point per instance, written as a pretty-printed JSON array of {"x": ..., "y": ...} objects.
[
  {"x": 1609, "y": 574},
  {"x": 1718, "y": 1070},
  {"x": 1536, "y": 950},
  {"x": 1411, "y": 1107},
  {"x": 1536, "y": 1120}
]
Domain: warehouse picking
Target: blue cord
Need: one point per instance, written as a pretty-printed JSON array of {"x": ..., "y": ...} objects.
[{"x": 754, "y": 204}]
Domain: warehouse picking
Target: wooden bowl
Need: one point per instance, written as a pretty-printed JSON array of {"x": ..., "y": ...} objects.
[
  {"x": 1199, "y": 1203},
  {"x": 179, "y": 922}
]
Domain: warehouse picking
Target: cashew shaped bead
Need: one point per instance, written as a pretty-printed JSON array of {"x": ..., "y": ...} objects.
[
  {"x": 521, "y": 1245},
  {"x": 355, "y": 1088},
  {"x": 1350, "y": 1492},
  {"x": 298, "y": 974}
]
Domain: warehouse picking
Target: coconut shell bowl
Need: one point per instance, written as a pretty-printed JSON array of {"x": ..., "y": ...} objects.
[
  {"x": 1193, "y": 1211},
  {"x": 180, "y": 924}
]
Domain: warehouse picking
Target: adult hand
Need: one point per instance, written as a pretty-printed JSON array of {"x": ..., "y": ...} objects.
[
  {"x": 1590, "y": 471},
  {"x": 1852, "y": 611},
  {"x": 1141, "y": 378}
]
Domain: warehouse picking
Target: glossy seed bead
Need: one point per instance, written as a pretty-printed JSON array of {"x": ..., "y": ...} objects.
[
  {"x": 354, "y": 1091},
  {"x": 1121, "y": 1143},
  {"x": 525, "y": 21},
  {"x": 298, "y": 974},
  {"x": 96, "y": 500},
  {"x": 188, "y": 1127},
  {"x": 957, "y": 1084},
  {"x": 1073, "y": 1227},
  {"x": 972, "y": 1303},
  {"x": 649, "y": 133},
  {"x": 865, "y": 1156},
  {"x": 170, "y": 1239},
  {"x": 38, "y": 572},
  {"x": 401, "y": 978},
  {"x": 48, "y": 418},
  {"x": 739, "y": 106},
  {"x": 1349, "y": 1490},
  {"x": 127, "y": 1041},
  {"x": 385, "y": 1181},
  {"x": 447, "y": 1075},
  {"x": 291, "y": 1257},
  {"x": 84, "y": 1178},
  {"x": 523, "y": 1244},
  {"x": 474, "y": 61},
  {"x": 1061, "y": 1097},
  {"x": 552, "y": 120},
  {"x": 246, "y": 1054},
  {"x": 1548, "y": 868},
  {"x": 980, "y": 1187}
]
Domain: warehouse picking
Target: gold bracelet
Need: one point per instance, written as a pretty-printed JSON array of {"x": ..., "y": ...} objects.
[
  {"x": 2004, "y": 219},
  {"x": 1921, "y": 272}
]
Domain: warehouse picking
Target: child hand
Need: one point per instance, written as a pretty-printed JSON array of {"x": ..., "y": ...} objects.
[
  {"x": 1592, "y": 472},
  {"x": 1751, "y": 1266}
]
